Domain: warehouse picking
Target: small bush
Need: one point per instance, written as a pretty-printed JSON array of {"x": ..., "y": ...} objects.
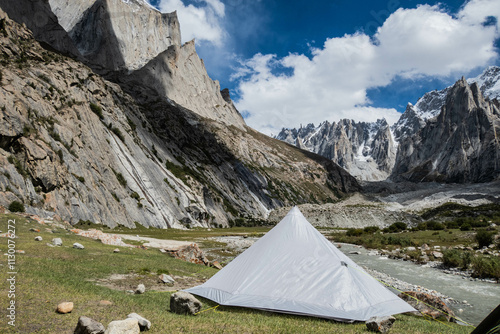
[
  {"x": 486, "y": 267},
  {"x": 371, "y": 229},
  {"x": 435, "y": 226},
  {"x": 465, "y": 227},
  {"x": 118, "y": 133},
  {"x": 354, "y": 232},
  {"x": 484, "y": 238},
  {"x": 135, "y": 196},
  {"x": 396, "y": 227},
  {"x": 457, "y": 259},
  {"x": 97, "y": 110},
  {"x": 16, "y": 206}
]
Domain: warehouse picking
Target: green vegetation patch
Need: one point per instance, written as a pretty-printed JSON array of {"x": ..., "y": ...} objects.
[{"x": 48, "y": 276}]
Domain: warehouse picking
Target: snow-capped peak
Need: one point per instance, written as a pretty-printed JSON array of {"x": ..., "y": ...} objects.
[{"x": 489, "y": 82}]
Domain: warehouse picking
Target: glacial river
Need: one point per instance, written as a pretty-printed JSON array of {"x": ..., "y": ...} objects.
[{"x": 483, "y": 296}]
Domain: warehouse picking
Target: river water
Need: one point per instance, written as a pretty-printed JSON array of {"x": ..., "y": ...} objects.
[{"x": 482, "y": 296}]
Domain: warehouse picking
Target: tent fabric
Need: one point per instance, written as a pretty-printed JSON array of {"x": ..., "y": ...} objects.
[{"x": 295, "y": 269}]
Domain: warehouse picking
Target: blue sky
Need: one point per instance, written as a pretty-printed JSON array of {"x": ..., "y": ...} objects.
[{"x": 295, "y": 62}]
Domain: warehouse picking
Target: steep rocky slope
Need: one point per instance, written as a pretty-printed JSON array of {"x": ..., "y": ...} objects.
[
  {"x": 79, "y": 146},
  {"x": 366, "y": 150},
  {"x": 461, "y": 144}
]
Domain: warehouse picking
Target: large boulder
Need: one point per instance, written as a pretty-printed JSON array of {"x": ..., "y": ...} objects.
[
  {"x": 87, "y": 325},
  {"x": 427, "y": 304},
  {"x": 127, "y": 326},
  {"x": 380, "y": 324},
  {"x": 144, "y": 324},
  {"x": 184, "y": 303}
]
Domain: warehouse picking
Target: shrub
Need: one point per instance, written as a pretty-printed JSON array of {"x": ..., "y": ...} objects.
[
  {"x": 436, "y": 226},
  {"x": 396, "y": 227},
  {"x": 484, "y": 238},
  {"x": 465, "y": 227},
  {"x": 97, "y": 110},
  {"x": 120, "y": 178},
  {"x": 457, "y": 259},
  {"x": 16, "y": 206},
  {"x": 135, "y": 196},
  {"x": 118, "y": 133},
  {"x": 371, "y": 229},
  {"x": 354, "y": 232},
  {"x": 486, "y": 267}
]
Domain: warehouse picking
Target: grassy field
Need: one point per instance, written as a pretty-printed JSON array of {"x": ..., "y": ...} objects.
[{"x": 47, "y": 276}]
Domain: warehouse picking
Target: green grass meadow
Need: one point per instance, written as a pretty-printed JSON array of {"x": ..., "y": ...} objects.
[{"x": 48, "y": 275}]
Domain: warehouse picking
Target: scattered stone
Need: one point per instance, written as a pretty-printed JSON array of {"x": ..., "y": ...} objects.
[
  {"x": 380, "y": 324},
  {"x": 354, "y": 252},
  {"x": 184, "y": 303},
  {"x": 162, "y": 251},
  {"x": 34, "y": 230},
  {"x": 57, "y": 242},
  {"x": 144, "y": 324},
  {"x": 140, "y": 289},
  {"x": 437, "y": 308},
  {"x": 167, "y": 279},
  {"x": 190, "y": 253},
  {"x": 39, "y": 238},
  {"x": 216, "y": 264},
  {"x": 20, "y": 251},
  {"x": 425, "y": 247},
  {"x": 127, "y": 326},
  {"x": 437, "y": 255},
  {"x": 87, "y": 325},
  {"x": 105, "y": 303},
  {"x": 78, "y": 246},
  {"x": 65, "y": 307},
  {"x": 411, "y": 249},
  {"x": 116, "y": 250},
  {"x": 50, "y": 245},
  {"x": 130, "y": 291}
]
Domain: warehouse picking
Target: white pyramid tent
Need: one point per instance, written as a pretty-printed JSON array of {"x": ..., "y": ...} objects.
[{"x": 295, "y": 269}]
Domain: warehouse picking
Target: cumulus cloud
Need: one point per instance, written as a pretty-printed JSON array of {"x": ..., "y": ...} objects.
[
  {"x": 204, "y": 23},
  {"x": 332, "y": 83}
]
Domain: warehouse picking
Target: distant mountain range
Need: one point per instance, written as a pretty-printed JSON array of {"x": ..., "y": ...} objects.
[{"x": 451, "y": 135}]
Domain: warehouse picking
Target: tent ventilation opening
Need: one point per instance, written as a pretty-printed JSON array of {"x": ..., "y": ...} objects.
[{"x": 343, "y": 263}]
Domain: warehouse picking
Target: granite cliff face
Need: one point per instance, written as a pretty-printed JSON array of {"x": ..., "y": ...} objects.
[
  {"x": 77, "y": 145},
  {"x": 459, "y": 145},
  {"x": 366, "y": 150},
  {"x": 115, "y": 35}
]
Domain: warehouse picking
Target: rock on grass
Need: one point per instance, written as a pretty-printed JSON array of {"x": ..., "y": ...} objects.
[
  {"x": 380, "y": 324},
  {"x": 87, "y": 325},
  {"x": 184, "y": 303}
]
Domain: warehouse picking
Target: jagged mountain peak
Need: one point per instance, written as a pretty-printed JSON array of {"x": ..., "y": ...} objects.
[
  {"x": 459, "y": 145},
  {"x": 365, "y": 149}
]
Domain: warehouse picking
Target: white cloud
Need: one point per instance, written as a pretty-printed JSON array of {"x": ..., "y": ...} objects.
[
  {"x": 202, "y": 23},
  {"x": 332, "y": 84}
]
